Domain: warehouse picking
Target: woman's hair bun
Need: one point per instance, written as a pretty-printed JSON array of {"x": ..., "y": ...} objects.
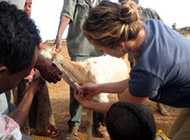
[{"x": 129, "y": 12}]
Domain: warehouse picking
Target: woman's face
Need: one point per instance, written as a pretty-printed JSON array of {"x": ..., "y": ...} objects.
[
  {"x": 113, "y": 52},
  {"x": 117, "y": 51}
]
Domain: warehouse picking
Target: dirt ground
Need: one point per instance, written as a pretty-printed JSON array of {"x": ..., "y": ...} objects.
[{"x": 59, "y": 94}]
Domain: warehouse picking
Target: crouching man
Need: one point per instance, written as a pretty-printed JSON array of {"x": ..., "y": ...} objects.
[{"x": 19, "y": 39}]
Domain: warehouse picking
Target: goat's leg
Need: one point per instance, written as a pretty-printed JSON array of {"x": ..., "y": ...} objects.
[
  {"x": 162, "y": 110},
  {"x": 90, "y": 124}
]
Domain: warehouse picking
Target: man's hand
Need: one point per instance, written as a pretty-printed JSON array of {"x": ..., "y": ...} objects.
[
  {"x": 36, "y": 84},
  {"x": 48, "y": 70},
  {"x": 57, "y": 48}
]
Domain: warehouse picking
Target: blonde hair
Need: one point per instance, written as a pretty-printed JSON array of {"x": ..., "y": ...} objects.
[{"x": 110, "y": 23}]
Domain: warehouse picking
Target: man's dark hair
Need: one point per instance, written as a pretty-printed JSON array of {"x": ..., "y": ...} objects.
[
  {"x": 130, "y": 122},
  {"x": 18, "y": 38}
]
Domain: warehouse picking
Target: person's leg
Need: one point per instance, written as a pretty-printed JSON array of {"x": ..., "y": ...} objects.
[
  {"x": 181, "y": 128},
  {"x": 75, "y": 111},
  {"x": 42, "y": 112},
  {"x": 43, "y": 107}
]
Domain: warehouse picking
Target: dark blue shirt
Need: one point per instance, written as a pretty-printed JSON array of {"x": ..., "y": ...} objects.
[{"x": 162, "y": 72}]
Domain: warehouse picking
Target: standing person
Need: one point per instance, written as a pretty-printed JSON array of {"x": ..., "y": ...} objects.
[
  {"x": 162, "y": 55},
  {"x": 74, "y": 13},
  {"x": 41, "y": 120}
]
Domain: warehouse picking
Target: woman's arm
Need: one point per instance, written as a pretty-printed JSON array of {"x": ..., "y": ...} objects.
[{"x": 92, "y": 89}]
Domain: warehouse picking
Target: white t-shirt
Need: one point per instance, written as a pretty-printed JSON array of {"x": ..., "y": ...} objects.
[
  {"x": 4, "y": 109},
  {"x": 9, "y": 129}
]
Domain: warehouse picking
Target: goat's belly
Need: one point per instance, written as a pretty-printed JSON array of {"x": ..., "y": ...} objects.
[{"x": 107, "y": 69}]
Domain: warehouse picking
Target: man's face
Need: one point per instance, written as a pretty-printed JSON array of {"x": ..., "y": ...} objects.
[{"x": 28, "y": 7}]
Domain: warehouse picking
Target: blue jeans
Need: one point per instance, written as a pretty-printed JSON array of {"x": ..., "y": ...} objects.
[{"x": 75, "y": 110}]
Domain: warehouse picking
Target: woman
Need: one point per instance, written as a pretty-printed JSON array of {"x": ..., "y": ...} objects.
[{"x": 161, "y": 72}]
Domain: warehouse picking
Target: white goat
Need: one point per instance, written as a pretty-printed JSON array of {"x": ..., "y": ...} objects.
[{"x": 101, "y": 69}]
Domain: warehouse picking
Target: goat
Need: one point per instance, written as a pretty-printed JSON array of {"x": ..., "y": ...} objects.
[{"x": 101, "y": 69}]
